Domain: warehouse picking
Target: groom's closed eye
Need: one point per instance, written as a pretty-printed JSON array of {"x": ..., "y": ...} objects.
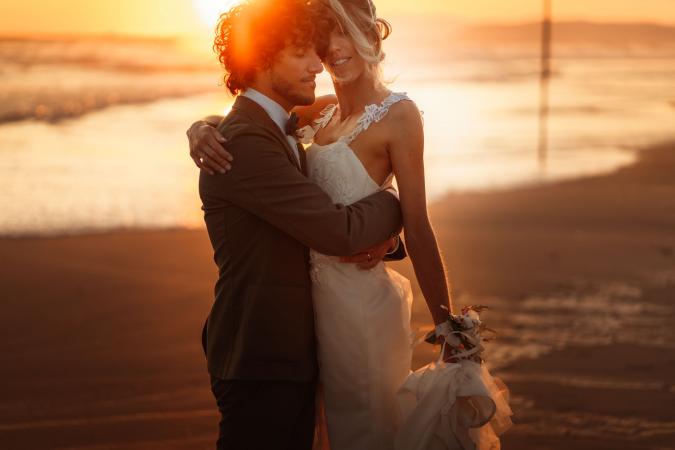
[{"x": 301, "y": 50}]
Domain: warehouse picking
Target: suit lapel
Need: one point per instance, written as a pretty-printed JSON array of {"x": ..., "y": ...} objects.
[{"x": 260, "y": 116}]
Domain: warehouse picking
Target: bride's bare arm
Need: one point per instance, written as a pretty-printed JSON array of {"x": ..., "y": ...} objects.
[
  {"x": 406, "y": 150},
  {"x": 306, "y": 114},
  {"x": 207, "y": 146}
]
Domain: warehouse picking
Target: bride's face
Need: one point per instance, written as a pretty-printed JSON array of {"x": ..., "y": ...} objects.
[{"x": 342, "y": 60}]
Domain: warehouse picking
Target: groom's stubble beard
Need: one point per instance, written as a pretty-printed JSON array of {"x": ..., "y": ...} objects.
[{"x": 291, "y": 93}]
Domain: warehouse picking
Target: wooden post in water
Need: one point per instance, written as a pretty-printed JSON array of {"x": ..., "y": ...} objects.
[{"x": 544, "y": 78}]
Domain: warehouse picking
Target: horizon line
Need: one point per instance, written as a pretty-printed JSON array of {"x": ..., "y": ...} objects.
[{"x": 121, "y": 36}]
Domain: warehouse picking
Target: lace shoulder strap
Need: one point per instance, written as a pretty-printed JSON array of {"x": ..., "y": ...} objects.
[
  {"x": 306, "y": 133},
  {"x": 373, "y": 114},
  {"x": 324, "y": 116}
]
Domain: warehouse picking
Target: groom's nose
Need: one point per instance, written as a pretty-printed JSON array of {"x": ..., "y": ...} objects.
[{"x": 315, "y": 65}]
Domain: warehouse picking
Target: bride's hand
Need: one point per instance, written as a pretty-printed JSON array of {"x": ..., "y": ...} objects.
[
  {"x": 370, "y": 257},
  {"x": 207, "y": 148}
]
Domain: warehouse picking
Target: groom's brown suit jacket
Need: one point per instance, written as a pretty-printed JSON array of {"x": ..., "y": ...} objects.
[{"x": 262, "y": 217}]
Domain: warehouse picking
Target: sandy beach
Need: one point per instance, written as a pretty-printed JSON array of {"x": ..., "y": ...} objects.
[{"x": 99, "y": 334}]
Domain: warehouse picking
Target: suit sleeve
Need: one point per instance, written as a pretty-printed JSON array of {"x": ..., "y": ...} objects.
[{"x": 264, "y": 182}]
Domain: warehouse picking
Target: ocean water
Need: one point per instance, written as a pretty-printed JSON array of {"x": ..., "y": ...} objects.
[{"x": 92, "y": 130}]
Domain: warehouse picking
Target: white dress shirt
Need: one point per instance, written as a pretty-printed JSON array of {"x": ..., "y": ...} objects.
[{"x": 276, "y": 112}]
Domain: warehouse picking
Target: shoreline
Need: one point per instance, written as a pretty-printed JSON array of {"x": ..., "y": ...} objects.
[
  {"x": 434, "y": 204},
  {"x": 100, "y": 333}
]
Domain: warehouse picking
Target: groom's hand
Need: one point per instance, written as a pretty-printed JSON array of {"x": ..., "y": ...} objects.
[
  {"x": 372, "y": 256},
  {"x": 207, "y": 148}
]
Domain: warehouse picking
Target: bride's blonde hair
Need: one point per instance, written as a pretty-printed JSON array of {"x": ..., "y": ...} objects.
[{"x": 358, "y": 20}]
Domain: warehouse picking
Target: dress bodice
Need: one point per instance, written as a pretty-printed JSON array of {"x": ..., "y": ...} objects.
[
  {"x": 335, "y": 167},
  {"x": 339, "y": 171}
]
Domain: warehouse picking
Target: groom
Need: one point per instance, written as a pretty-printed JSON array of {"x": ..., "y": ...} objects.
[{"x": 262, "y": 217}]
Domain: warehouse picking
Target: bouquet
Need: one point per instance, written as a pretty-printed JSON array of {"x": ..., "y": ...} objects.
[{"x": 463, "y": 333}]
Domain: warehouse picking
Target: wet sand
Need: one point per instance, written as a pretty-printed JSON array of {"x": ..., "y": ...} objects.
[{"x": 99, "y": 335}]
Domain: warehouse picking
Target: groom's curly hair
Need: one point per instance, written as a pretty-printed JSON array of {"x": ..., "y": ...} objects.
[{"x": 251, "y": 34}]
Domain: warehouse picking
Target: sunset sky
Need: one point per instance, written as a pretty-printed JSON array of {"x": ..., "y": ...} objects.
[{"x": 170, "y": 17}]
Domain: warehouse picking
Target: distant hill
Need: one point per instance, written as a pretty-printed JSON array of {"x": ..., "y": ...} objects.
[
  {"x": 608, "y": 35},
  {"x": 423, "y": 38}
]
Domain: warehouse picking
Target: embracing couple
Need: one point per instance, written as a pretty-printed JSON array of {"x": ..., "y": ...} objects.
[{"x": 309, "y": 329}]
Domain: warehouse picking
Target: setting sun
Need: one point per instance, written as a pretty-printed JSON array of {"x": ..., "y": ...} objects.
[{"x": 210, "y": 10}]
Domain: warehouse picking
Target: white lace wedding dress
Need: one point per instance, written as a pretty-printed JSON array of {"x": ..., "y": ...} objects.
[
  {"x": 362, "y": 317},
  {"x": 372, "y": 399}
]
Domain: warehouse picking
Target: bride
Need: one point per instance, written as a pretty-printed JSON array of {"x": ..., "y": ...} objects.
[{"x": 358, "y": 143}]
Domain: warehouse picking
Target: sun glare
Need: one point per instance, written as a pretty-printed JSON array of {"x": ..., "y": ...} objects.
[{"x": 210, "y": 10}]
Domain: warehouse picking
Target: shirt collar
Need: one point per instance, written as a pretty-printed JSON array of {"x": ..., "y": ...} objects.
[{"x": 276, "y": 112}]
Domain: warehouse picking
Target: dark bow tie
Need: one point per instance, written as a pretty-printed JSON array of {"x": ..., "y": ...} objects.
[{"x": 292, "y": 125}]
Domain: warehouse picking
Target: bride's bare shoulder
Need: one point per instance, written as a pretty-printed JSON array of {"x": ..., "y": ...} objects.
[{"x": 404, "y": 112}]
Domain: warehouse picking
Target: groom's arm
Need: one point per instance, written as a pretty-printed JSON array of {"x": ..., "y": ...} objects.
[{"x": 265, "y": 182}]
